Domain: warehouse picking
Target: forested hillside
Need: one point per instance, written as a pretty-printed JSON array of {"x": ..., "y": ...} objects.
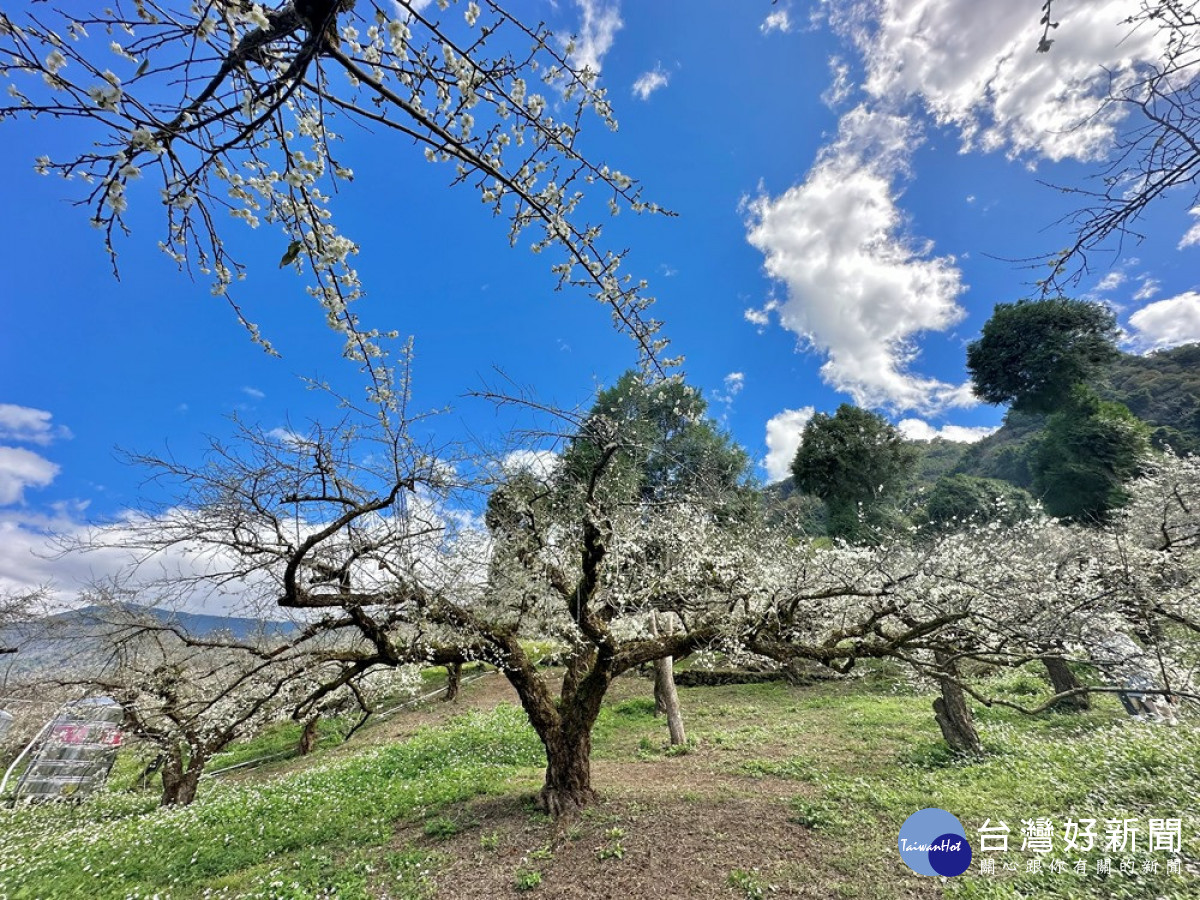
[{"x": 1162, "y": 389}]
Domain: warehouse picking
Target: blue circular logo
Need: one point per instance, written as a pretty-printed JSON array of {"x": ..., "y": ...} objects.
[{"x": 933, "y": 842}]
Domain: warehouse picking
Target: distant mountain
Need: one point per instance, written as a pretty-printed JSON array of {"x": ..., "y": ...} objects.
[
  {"x": 72, "y": 638},
  {"x": 201, "y": 625}
]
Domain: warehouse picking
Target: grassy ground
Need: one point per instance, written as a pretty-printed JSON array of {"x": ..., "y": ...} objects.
[{"x": 782, "y": 792}]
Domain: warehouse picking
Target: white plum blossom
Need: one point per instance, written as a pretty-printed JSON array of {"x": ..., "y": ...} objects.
[{"x": 462, "y": 91}]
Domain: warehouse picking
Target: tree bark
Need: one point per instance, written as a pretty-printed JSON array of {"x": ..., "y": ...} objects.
[
  {"x": 453, "y": 681},
  {"x": 180, "y": 782},
  {"x": 565, "y": 726},
  {"x": 568, "y": 786},
  {"x": 1062, "y": 679},
  {"x": 667, "y": 697},
  {"x": 308, "y": 736},
  {"x": 952, "y": 713}
]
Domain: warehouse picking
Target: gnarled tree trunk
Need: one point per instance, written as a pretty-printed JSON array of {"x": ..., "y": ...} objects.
[
  {"x": 453, "y": 681},
  {"x": 951, "y": 710},
  {"x": 180, "y": 781},
  {"x": 568, "y": 786},
  {"x": 308, "y": 735},
  {"x": 564, "y": 727},
  {"x": 1062, "y": 679}
]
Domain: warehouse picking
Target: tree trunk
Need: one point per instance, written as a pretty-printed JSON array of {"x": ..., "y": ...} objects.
[
  {"x": 660, "y": 699},
  {"x": 564, "y": 726},
  {"x": 952, "y": 713},
  {"x": 568, "y": 786},
  {"x": 1062, "y": 679},
  {"x": 453, "y": 681},
  {"x": 309, "y": 735},
  {"x": 666, "y": 696},
  {"x": 180, "y": 783}
]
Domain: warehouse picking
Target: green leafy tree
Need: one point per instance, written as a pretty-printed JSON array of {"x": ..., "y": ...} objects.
[
  {"x": 1032, "y": 352},
  {"x": 669, "y": 448},
  {"x": 958, "y": 499},
  {"x": 1089, "y": 449},
  {"x": 857, "y": 462}
]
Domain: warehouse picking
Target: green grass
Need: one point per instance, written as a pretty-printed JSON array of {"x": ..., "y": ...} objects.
[
  {"x": 852, "y": 760},
  {"x": 292, "y": 837}
]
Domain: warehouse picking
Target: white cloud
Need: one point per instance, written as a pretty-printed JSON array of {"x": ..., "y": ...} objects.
[
  {"x": 973, "y": 66},
  {"x": 1192, "y": 237},
  {"x": 860, "y": 289},
  {"x": 539, "y": 463},
  {"x": 1149, "y": 287},
  {"x": 253, "y": 393},
  {"x": 1167, "y": 323},
  {"x": 732, "y": 386},
  {"x": 841, "y": 87},
  {"x": 20, "y": 469},
  {"x": 777, "y": 20},
  {"x": 760, "y": 317},
  {"x": 600, "y": 23},
  {"x": 784, "y": 431},
  {"x": 27, "y": 425},
  {"x": 920, "y": 430},
  {"x": 1111, "y": 281},
  {"x": 649, "y": 82},
  {"x": 289, "y": 437}
]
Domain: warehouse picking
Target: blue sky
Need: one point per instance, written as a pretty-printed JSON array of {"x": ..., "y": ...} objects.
[{"x": 852, "y": 182}]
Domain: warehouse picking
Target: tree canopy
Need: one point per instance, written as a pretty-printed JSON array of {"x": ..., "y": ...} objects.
[
  {"x": 1089, "y": 449},
  {"x": 854, "y": 460},
  {"x": 669, "y": 449},
  {"x": 1032, "y": 352},
  {"x": 958, "y": 500}
]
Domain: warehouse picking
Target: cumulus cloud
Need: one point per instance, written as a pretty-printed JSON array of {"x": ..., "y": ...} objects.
[
  {"x": 1111, "y": 281},
  {"x": 1167, "y": 323},
  {"x": 784, "y": 431},
  {"x": 44, "y": 550},
  {"x": 598, "y": 27},
  {"x": 21, "y": 469},
  {"x": 539, "y": 463},
  {"x": 776, "y": 20},
  {"x": 860, "y": 288},
  {"x": 1147, "y": 288},
  {"x": 734, "y": 382},
  {"x": 920, "y": 430},
  {"x": 760, "y": 317},
  {"x": 649, "y": 82},
  {"x": 27, "y": 425},
  {"x": 973, "y": 66}
]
